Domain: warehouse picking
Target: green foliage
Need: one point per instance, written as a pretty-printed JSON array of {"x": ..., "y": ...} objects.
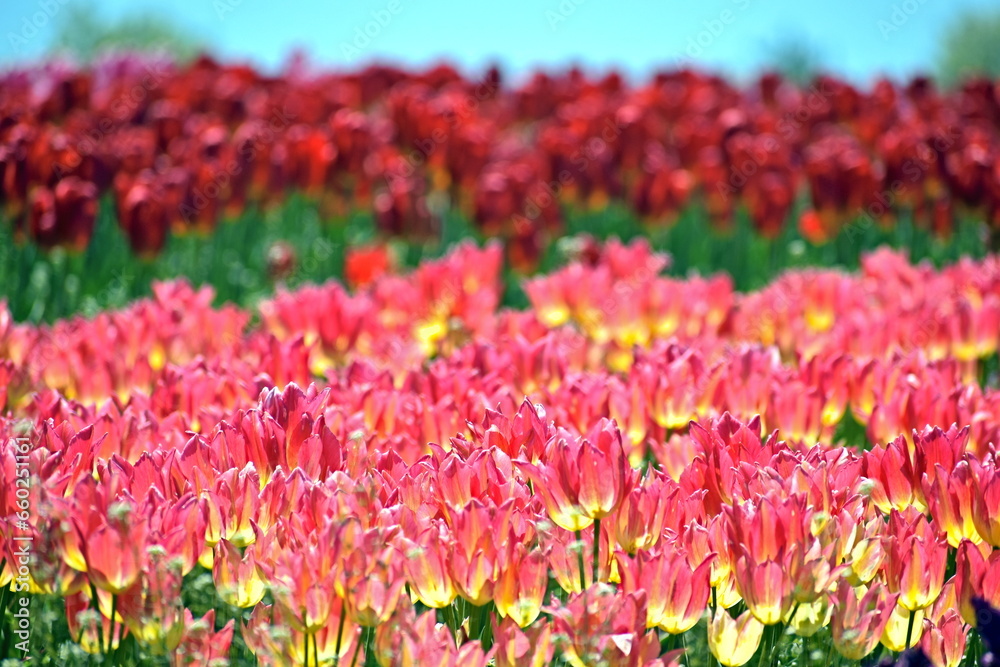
[
  {"x": 45, "y": 286},
  {"x": 796, "y": 60},
  {"x": 971, "y": 46},
  {"x": 83, "y": 34}
]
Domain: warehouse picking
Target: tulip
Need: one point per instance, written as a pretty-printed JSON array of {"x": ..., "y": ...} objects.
[
  {"x": 935, "y": 449},
  {"x": 237, "y": 496},
  {"x": 364, "y": 265},
  {"x": 944, "y": 642},
  {"x": 713, "y": 545},
  {"x": 603, "y": 626},
  {"x": 976, "y": 576},
  {"x": 986, "y": 503},
  {"x": 114, "y": 557},
  {"x": 152, "y": 608},
  {"x": 950, "y": 501},
  {"x": 896, "y": 484},
  {"x": 807, "y": 618},
  {"x": 201, "y": 643},
  {"x": 93, "y": 630},
  {"x": 864, "y": 549},
  {"x": 676, "y": 594},
  {"x": 733, "y": 641},
  {"x": 238, "y": 578},
  {"x": 516, "y": 647},
  {"x": 766, "y": 589},
  {"x": 903, "y": 628},
  {"x": 519, "y": 590},
  {"x": 426, "y": 566},
  {"x": 915, "y": 568},
  {"x": 333, "y": 641},
  {"x": 860, "y": 616},
  {"x": 584, "y": 479},
  {"x": 373, "y": 579},
  {"x": 639, "y": 523},
  {"x": 422, "y": 641}
]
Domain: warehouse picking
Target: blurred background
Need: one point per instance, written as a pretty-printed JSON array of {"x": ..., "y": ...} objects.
[
  {"x": 111, "y": 180},
  {"x": 855, "y": 39}
]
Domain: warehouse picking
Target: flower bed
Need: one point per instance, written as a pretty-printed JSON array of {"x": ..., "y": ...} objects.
[{"x": 634, "y": 470}]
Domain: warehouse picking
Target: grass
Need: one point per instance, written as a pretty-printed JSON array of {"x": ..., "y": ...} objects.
[{"x": 42, "y": 286}]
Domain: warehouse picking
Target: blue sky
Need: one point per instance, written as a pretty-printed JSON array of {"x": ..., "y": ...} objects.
[{"x": 856, "y": 38}]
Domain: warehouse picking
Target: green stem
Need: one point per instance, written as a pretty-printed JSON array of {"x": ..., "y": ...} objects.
[
  {"x": 486, "y": 626},
  {"x": 340, "y": 635},
  {"x": 316, "y": 650},
  {"x": 597, "y": 550},
  {"x": 112, "y": 649},
  {"x": 449, "y": 618},
  {"x": 795, "y": 610},
  {"x": 764, "y": 649},
  {"x": 579, "y": 557},
  {"x": 97, "y": 608},
  {"x": 305, "y": 649},
  {"x": 779, "y": 631},
  {"x": 3, "y": 608},
  {"x": 475, "y": 622},
  {"x": 909, "y": 629},
  {"x": 357, "y": 651}
]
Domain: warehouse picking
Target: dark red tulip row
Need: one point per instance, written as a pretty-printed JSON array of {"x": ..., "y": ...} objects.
[{"x": 181, "y": 147}]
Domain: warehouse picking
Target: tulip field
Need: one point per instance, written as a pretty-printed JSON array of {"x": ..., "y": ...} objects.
[{"x": 403, "y": 369}]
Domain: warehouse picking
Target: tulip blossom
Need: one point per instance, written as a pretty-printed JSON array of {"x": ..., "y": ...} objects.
[
  {"x": 533, "y": 647},
  {"x": 860, "y": 616},
  {"x": 95, "y": 631},
  {"x": 600, "y": 626},
  {"x": 915, "y": 563},
  {"x": 733, "y": 641},
  {"x": 986, "y": 503},
  {"x": 945, "y": 641},
  {"x": 676, "y": 595},
  {"x": 903, "y": 628},
  {"x": 765, "y": 588},
  {"x": 976, "y": 576},
  {"x": 201, "y": 643},
  {"x": 582, "y": 479},
  {"x": 152, "y": 608},
  {"x": 238, "y": 577},
  {"x": 426, "y": 564},
  {"x": 640, "y": 519},
  {"x": 521, "y": 586},
  {"x": 950, "y": 500},
  {"x": 114, "y": 557},
  {"x": 363, "y": 501}
]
